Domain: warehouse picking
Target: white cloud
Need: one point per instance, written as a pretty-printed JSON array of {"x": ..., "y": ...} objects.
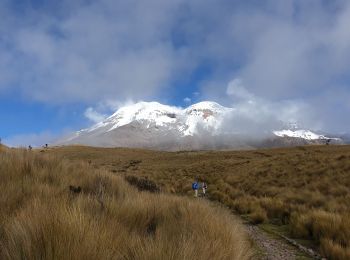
[
  {"x": 187, "y": 100},
  {"x": 293, "y": 55},
  {"x": 93, "y": 115},
  {"x": 257, "y": 116},
  {"x": 236, "y": 89},
  {"x": 92, "y": 52}
]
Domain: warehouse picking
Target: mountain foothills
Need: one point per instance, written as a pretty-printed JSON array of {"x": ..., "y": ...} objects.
[{"x": 205, "y": 125}]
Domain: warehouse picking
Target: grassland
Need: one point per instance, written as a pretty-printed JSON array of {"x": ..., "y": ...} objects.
[
  {"x": 304, "y": 190},
  {"x": 3, "y": 147},
  {"x": 52, "y": 208}
]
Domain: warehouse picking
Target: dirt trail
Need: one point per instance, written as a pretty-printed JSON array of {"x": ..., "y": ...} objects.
[
  {"x": 270, "y": 248},
  {"x": 275, "y": 247}
]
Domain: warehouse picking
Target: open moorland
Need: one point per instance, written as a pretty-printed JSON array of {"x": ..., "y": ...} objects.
[
  {"x": 52, "y": 208},
  {"x": 303, "y": 192}
]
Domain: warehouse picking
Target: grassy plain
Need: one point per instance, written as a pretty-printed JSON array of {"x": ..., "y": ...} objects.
[
  {"x": 52, "y": 208},
  {"x": 305, "y": 190}
]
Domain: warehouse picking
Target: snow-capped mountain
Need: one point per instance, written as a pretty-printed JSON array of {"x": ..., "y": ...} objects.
[
  {"x": 151, "y": 113},
  {"x": 204, "y": 115},
  {"x": 154, "y": 125}
]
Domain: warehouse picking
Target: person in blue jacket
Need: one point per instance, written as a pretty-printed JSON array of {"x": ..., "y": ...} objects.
[{"x": 195, "y": 188}]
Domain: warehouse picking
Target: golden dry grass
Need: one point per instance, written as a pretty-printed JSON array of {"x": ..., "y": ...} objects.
[
  {"x": 41, "y": 218},
  {"x": 306, "y": 188},
  {"x": 3, "y": 147}
]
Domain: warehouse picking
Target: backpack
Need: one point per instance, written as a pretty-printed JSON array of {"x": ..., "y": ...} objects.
[{"x": 194, "y": 186}]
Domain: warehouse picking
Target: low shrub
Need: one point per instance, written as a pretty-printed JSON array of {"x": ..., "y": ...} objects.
[
  {"x": 258, "y": 216},
  {"x": 142, "y": 184}
]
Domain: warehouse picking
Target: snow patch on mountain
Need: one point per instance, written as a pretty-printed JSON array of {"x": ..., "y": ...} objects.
[
  {"x": 207, "y": 115},
  {"x": 153, "y": 112},
  {"x": 305, "y": 134}
]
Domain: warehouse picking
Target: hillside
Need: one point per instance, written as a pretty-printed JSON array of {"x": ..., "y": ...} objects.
[
  {"x": 55, "y": 209},
  {"x": 303, "y": 191}
]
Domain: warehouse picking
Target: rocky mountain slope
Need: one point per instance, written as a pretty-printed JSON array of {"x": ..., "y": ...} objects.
[{"x": 199, "y": 126}]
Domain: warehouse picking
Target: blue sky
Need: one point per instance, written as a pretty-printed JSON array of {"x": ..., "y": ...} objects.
[{"x": 63, "y": 61}]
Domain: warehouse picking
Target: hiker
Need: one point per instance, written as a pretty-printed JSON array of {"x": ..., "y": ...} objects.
[
  {"x": 204, "y": 187},
  {"x": 195, "y": 188}
]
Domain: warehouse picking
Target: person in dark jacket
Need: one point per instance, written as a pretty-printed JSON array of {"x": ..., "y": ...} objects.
[
  {"x": 195, "y": 188},
  {"x": 204, "y": 187}
]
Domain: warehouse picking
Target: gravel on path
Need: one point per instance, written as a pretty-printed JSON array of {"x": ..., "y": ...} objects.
[{"x": 271, "y": 249}]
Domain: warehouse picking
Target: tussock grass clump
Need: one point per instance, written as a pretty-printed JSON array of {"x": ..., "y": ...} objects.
[
  {"x": 330, "y": 230},
  {"x": 258, "y": 216},
  {"x": 42, "y": 217},
  {"x": 333, "y": 250},
  {"x": 142, "y": 184}
]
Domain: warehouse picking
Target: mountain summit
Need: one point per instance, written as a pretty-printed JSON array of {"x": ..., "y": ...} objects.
[
  {"x": 199, "y": 126},
  {"x": 204, "y": 115}
]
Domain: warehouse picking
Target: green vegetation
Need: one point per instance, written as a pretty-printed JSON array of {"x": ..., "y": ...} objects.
[
  {"x": 304, "y": 189},
  {"x": 55, "y": 209}
]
